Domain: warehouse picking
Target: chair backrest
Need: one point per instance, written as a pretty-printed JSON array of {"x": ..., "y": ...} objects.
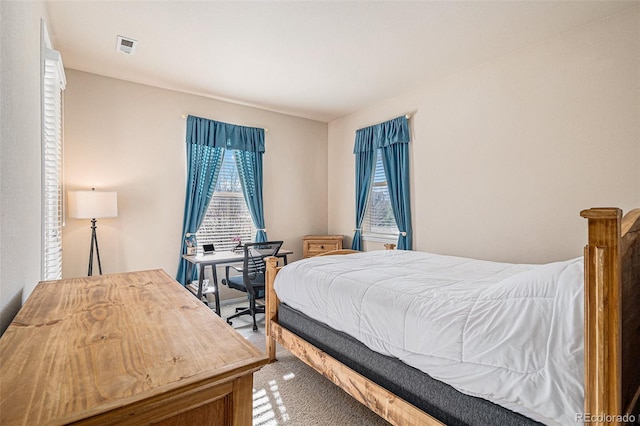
[{"x": 254, "y": 255}]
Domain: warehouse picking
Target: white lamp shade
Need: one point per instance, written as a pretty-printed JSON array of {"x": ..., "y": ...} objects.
[{"x": 92, "y": 204}]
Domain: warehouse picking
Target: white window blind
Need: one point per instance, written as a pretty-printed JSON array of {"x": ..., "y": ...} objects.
[
  {"x": 379, "y": 218},
  {"x": 227, "y": 216},
  {"x": 53, "y": 84}
]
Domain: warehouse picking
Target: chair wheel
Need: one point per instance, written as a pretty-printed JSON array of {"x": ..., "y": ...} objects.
[
  {"x": 229, "y": 322},
  {"x": 255, "y": 328}
]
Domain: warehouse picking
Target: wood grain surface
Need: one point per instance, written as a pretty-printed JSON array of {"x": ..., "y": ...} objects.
[{"x": 83, "y": 347}]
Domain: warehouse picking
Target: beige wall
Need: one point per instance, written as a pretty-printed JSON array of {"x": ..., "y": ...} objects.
[
  {"x": 505, "y": 155},
  {"x": 131, "y": 138},
  {"x": 20, "y": 176}
]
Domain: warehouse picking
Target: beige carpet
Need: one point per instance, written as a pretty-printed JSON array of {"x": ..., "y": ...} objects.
[{"x": 289, "y": 392}]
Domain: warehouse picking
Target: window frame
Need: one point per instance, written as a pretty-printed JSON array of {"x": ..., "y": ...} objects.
[
  {"x": 53, "y": 83},
  {"x": 367, "y": 234},
  {"x": 229, "y": 155}
]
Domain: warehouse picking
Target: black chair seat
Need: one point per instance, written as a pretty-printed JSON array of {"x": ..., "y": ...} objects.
[
  {"x": 252, "y": 279},
  {"x": 237, "y": 283}
]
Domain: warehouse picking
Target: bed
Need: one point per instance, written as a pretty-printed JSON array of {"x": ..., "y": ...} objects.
[{"x": 605, "y": 344}]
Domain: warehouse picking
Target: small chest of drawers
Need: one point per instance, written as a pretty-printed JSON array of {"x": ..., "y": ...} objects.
[{"x": 313, "y": 245}]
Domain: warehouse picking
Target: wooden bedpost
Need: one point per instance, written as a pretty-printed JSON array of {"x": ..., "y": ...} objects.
[
  {"x": 612, "y": 315},
  {"x": 630, "y": 269},
  {"x": 271, "y": 307},
  {"x": 602, "y": 339}
]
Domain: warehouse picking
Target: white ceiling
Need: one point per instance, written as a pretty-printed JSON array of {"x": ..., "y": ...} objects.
[{"x": 314, "y": 59}]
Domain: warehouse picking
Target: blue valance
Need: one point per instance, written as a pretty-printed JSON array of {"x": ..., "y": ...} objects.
[
  {"x": 382, "y": 135},
  {"x": 215, "y": 134}
]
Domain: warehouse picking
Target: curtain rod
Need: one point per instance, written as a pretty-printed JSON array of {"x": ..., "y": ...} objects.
[
  {"x": 407, "y": 116},
  {"x": 184, "y": 117}
]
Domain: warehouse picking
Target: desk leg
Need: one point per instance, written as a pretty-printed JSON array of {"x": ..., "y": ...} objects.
[
  {"x": 216, "y": 295},
  {"x": 189, "y": 269},
  {"x": 200, "y": 278}
]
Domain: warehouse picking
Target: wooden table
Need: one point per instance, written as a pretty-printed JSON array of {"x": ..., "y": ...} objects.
[
  {"x": 132, "y": 348},
  {"x": 214, "y": 259}
]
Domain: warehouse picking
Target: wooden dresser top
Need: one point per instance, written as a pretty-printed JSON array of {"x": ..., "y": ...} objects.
[
  {"x": 323, "y": 237},
  {"x": 84, "y": 346}
]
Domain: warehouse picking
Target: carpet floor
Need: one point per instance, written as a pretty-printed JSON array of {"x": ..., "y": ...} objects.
[{"x": 289, "y": 392}]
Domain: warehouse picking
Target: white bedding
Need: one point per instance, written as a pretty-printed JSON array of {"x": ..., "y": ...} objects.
[{"x": 512, "y": 334}]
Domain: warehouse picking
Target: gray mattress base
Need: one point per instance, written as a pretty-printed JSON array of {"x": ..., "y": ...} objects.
[{"x": 431, "y": 396}]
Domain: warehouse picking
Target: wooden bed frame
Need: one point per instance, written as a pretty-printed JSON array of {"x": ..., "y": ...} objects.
[{"x": 612, "y": 330}]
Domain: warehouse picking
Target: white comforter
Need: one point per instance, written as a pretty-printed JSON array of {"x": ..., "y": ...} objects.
[{"x": 512, "y": 334}]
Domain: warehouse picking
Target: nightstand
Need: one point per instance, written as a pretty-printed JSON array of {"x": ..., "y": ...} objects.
[{"x": 313, "y": 245}]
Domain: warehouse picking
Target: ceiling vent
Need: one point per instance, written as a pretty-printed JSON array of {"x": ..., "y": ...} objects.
[{"x": 126, "y": 45}]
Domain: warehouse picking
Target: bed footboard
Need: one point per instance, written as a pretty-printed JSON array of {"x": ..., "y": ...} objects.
[
  {"x": 271, "y": 306},
  {"x": 612, "y": 314}
]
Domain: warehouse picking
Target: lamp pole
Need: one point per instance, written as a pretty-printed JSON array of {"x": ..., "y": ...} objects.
[{"x": 94, "y": 241}]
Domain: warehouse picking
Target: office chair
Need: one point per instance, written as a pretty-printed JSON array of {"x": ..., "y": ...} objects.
[{"x": 252, "y": 280}]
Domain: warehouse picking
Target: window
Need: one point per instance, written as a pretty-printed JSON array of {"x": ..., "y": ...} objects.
[
  {"x": 227, "y": 216},
  {"x": 378, "y": 219},
  {"x": 53, "y": 82}
]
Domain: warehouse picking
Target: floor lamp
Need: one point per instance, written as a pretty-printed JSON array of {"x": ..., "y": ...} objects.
[{"x": 93, "y": 205}]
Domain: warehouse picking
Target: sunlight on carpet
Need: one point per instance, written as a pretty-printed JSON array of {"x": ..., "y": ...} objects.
[{"x": 263, "y": 404}]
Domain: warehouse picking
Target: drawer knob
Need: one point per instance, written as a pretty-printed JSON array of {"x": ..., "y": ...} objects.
[{"x": 321, "y": 247}]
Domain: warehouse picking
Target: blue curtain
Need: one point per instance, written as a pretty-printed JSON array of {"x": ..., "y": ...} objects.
[
  {"x": 395, "y": 159},
  {"x": 392, "y": 137},
  {"x": 382, "y": 135},
  {"x": 250, "y": 171},
  {"x": 203, "y": 163},
  {"x": 365, "y": 166},
  {"x": 230, "y": 136}
]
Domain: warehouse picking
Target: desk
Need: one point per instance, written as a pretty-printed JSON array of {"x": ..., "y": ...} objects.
[
  {"x": 123, "y": 349},
  {"x": 214, "y": 259}
]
